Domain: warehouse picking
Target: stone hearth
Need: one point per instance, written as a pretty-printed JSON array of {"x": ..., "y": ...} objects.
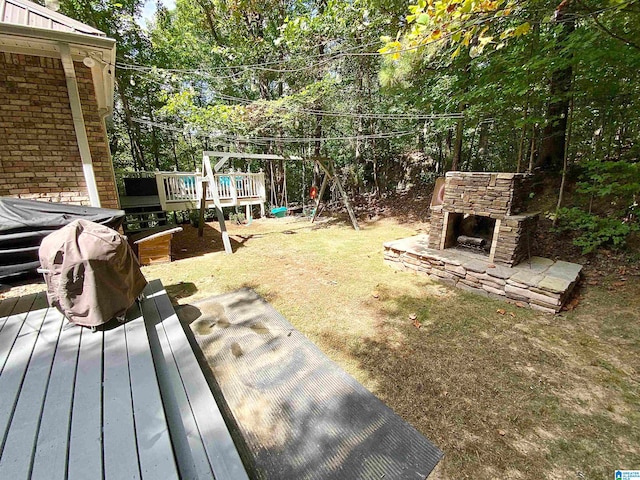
[{"x": 539, "y": 283}]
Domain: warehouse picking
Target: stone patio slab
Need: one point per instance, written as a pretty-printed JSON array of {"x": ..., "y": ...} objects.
[
  {"x": 554, "y": 284},
  {"x": 540, "y": 283},
  {"x": 566, "y": 270}
]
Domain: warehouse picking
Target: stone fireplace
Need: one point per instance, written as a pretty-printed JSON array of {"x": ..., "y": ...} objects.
[
  {"x": 480, "y": 240},
  {"x": 484, "y": 212}
]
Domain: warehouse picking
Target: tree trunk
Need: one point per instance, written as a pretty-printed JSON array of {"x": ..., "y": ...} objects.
[
  {"x": 134, "y": 134},
  {"x": 532, "y": 151},
  {"x": 209, "y": 16},
  {"x": 193, "y": 157},
  {"x": 523, "y": 134},
  {"x": 154, "y": 138},
  {"x": 527, "y": 105},
  {"x": 175, "y": 153},
  {"x": 457, "y": 149},
  {"x": 317, "y": 173},
  {"x": 565, "y": 163},
  {"x": 439, "y": 166},
  {"x": 554, "y": 133}
]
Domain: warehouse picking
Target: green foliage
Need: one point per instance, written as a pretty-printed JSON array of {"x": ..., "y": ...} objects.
[
  {"x": 594, "y": 231},
  {"x": 618, "y": 181},
  {"x": 194, "y": 217},
  {"x": 237, "y": 217},
  {"x": 614, "y": 186},
  {"x": 245, "y": 76}
]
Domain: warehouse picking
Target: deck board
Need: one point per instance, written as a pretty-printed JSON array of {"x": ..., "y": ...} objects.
[
  {"x": 23, "y": 432},
  {"x": 50, "y": 459},
  {"x": 190, "y": 453},
  {"x": 152, "y": 434},
  {"x": 221, "y": 451},
  {"x": 127, "y": 402},
  {"x": 6, "y": 307},
  {"x": 119, "y": 442},
  {"x": 16, "y": 367},
  {"x": 85, "y": 437},
  {"x": 12, "y": 325}
]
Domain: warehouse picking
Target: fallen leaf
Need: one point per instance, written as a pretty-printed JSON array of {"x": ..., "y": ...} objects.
[
  {"x": 572, "y": 304},
  {"x": 592, "y": 282},
  {"x": 502, "y": 433},
  {"x": 618, "y": 284},
  {"x": 491, "y": 265},
  {"x": 417, "y": 324},
  {"x": 520, "y": 305},
  {"x": 512, "y": 314},
  {"x": 501, "y": 311}
]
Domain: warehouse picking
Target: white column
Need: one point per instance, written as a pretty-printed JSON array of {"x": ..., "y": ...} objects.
[{"x": 78, "y": 124}]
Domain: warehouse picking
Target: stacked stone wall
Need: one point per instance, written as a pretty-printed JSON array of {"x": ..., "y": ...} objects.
[
  {"x": 515, "y": 239},
  {"x": 494, "y": 195},
  {"x": 39, "y": 155},
  {"x": 435, "y": 228},
  {"x": 541, "y": 284}
]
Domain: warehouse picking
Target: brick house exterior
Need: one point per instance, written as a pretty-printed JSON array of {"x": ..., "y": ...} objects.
[{"x": 42, "y": 128}]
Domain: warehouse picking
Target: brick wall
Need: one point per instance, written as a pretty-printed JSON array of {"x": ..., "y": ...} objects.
[{"x": 39, "y": 155}]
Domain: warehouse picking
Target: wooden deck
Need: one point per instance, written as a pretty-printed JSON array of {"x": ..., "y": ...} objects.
[{"x": 128, "y": 402}]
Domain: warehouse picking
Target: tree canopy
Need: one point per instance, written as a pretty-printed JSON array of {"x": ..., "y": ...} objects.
[{"x": 394, "y": 95}]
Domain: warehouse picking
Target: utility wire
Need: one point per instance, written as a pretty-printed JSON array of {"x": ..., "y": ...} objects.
[
  {"x": 339, "y": 114},
  {"x": 329, "y": 113},
  {"x": 266, "y": 139},
  {"x": 569, "y": 17}
]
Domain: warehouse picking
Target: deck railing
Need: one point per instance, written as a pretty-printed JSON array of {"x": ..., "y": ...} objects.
[
  {"x": 239, "y": 185},
  {"x": 177, "y": 186},
  {"x": 183, "y": 190}
]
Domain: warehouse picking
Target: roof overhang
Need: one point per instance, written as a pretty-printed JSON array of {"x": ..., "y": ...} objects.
[{"x": 29, "y": 40}]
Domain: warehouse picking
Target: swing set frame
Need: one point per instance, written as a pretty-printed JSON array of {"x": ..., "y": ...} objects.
[{"x": 209, "y": 170}]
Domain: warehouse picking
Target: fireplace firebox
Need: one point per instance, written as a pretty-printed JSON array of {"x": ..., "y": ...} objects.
[{"x": 484, "y": 212}]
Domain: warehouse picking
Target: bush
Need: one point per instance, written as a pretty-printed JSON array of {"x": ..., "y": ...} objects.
[
  {"x": 238, "y": 218},
  {"x": 595, "y": 231},
  {"x": 194, "y": 218}
]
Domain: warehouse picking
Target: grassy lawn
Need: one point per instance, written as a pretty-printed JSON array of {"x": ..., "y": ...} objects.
[{"x": 514, "y": 395}]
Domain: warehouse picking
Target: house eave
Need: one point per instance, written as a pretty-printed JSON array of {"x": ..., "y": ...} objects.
[{"x": 44, "y": 42}]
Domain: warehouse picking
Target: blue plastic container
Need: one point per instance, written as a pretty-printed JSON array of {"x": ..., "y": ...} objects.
[{"x": 279, "y": 212}]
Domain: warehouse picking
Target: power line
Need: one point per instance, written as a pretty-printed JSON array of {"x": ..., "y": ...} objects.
[
  {"x": 341, "y": 114},
  {"x": 266, "y": 139},
  {"x": 263, "y": 66},
  {"x": 329, "y": 113}
]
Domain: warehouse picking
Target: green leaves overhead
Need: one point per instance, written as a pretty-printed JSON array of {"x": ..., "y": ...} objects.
[{"x": 364, "y": 81}]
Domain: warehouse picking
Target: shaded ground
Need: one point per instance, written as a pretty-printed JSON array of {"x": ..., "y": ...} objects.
[
  {"x": 519, "y": 395},
  {"x": 514, "y": 395}
]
